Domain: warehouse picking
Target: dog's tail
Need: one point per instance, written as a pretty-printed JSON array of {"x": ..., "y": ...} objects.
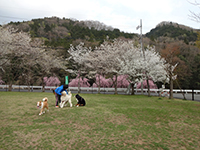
[{"x": 45, "y": 99}]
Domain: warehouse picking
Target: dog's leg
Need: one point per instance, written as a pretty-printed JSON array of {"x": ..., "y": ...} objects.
[
  {"x": 47, "y": 108},
  {"x": 65, "y": 103},
  {"x": 41, "y": 111},
  {"x": 61, "y": 104},
  {"x": 70, "y": 102}
]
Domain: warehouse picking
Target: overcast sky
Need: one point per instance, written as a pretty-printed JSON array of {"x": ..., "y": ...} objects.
[{"x": 122, "y": 14}]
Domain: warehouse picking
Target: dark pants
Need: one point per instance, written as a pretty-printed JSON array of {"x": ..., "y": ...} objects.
[{"x": 57, "y": 99}]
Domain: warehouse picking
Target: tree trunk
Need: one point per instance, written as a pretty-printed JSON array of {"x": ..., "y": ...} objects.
[
  {"x": 115, "y": 84},
  {"x": 79, "y": 84},
  {"x": 10, "y": 87},
  {"x": 181, "y": 90},
  {"x": 43, "y": 86},
  {"x": 99, "y": 85},
  {"x": 142, "y": 92},
  {"x": 133, "y": 90},
  {"x": 171, "y": 87},
  {"x": 29, "y": 89},
  {"x": 148, "y": 87}
]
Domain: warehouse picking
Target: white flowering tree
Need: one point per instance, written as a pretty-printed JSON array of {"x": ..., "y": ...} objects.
[
  {"x": 120, "y": 57},
  {"x": 132, "y": 64},
  {"x": 107, "y": 58},
  {"x": 21, "y": 56},
  {"x": 14, "y": 51},
  {"x": 111, "y": 52},
  {"x": 154, "y": 67},
  {"x": 139, "y": 68},
  {"x": 95, "y": 62},
  {"x": 78, "y": 54},
  {"x": 90, "y": 60}
]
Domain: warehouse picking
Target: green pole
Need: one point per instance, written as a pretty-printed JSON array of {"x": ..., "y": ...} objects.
[{"x": 66, "y": 80}]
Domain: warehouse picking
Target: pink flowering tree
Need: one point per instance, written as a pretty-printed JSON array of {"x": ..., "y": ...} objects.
[
  {"x": 122, "y": 81},
  {"x": 151, "y": 85},
  {"x": 100, "y": 81},
  {"x": 51, "y": 81},
  {"x": 1, "y": 81},
  {"x": 83, "y": 82}
]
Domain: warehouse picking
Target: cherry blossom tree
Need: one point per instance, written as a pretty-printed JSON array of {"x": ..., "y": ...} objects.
[
  {"x": 21, "y": 56},
  {"x": 15, "y": 51},
  {"x": 103, "y": 59},
  {"x": 51, "y": 81},
  {"x": 104, "y": 82},
  {"x": 154, "y": 67},
  {"x": 77, "y": 60},
  {"x": 111, "y": 53},
  {"x": 122, "y": 81},
  {"x": 1, "y": 81},
  {"x": 82, "y": 82},
  {"x": 138, "y": 68},
  {"x": 120, "y": 57},
  {"x": 131, "y": 64},
  {"x": 151, "y": 85}
]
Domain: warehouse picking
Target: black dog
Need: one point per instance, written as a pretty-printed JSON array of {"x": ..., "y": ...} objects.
[{"x": 80, "y": 100}]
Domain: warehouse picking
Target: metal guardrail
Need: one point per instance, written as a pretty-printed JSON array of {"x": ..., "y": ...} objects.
[{"x": 23, "y": 87}]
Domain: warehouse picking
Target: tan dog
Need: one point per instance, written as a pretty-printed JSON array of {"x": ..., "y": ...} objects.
[
  {"x": 66, "y": 98},
  {"x": 42, "y": 105}
]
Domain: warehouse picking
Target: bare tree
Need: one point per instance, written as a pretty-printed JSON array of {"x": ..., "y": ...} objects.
[
  {"x": 193, "y": 15},
  {"x": 169, "y": 53}
]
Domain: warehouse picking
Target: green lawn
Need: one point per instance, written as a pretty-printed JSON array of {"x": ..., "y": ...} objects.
[{"x": 106, "y": 122}]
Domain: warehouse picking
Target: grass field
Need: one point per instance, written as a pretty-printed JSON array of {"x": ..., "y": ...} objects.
[{"x": 106, "y": 122}]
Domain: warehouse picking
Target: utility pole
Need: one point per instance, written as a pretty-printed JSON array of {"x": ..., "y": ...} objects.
[{"x": 142, "y": 52}]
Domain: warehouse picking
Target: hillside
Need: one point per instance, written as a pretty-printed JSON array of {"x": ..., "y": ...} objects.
[
  {"x": 173, "y": 30},
  {"x": 63, "y": 32}
]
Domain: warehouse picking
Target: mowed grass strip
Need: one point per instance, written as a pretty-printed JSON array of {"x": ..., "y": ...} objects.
[{"x": 106, "y": 122}]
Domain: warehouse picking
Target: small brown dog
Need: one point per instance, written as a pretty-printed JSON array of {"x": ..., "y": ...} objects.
[{"x": 43, "y": 105}]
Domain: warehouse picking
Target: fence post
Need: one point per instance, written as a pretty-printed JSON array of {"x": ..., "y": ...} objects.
[
  {"x": 32, "y": 87},
  {"x": 193, "y": 94}
]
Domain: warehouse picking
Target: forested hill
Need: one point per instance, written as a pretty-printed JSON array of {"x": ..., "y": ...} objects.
[
  {"x": 63, "y": 32},
  {"x": 173, "y": 30}
]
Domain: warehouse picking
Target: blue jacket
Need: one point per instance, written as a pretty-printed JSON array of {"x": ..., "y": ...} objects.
[{"x": 59, "y": 90}]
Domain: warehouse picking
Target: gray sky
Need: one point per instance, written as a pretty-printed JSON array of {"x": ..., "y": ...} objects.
[{"x": 122, "y": 14}]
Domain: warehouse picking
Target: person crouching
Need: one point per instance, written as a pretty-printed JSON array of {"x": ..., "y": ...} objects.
[{"x": 58, "y": 92}]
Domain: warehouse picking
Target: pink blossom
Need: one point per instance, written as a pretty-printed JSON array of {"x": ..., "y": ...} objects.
[
  {"x": 151, "y": 85},
  {"x": 83, "y": 82},
  {"x": 51, "y": 81},
  {"x": 122, "y": 82},
  {"x": 1, "y": 81}
]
